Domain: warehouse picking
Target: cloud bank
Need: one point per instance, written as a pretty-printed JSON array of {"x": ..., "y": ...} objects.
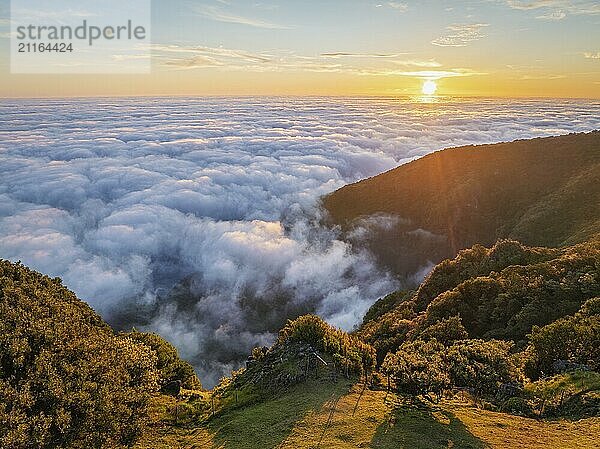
[{"x": 198, "y": 218}]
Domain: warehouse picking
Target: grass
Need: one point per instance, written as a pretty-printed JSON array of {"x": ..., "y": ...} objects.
[
  {"x": 322, "y": 414},
  {"x": 500, "y": 430}
]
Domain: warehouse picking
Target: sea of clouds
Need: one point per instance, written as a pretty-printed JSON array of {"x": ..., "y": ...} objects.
[{"x": 198, "y": 217}]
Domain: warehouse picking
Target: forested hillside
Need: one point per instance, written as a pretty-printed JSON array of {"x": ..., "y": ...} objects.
[{"x": 542, "y": 192}]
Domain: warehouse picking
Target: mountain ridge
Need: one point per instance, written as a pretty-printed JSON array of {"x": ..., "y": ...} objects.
[{"x": 454, "y": 198}]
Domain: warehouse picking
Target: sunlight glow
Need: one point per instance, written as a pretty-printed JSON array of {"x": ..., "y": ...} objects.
[{"x": 429, "y": 87}]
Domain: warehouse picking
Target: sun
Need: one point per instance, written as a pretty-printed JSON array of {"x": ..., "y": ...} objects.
[{"x": 429, "y": 87}]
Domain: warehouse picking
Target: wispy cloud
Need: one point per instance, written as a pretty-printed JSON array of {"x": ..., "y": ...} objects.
[
  {"x": 591, "y": 55},
  {"x": 552, "y": 15},
  {"x": 459, "y": 35},
  {"x": 199, "y": 57},
  {"x": 548, "y": 76},
  {"x": 438, "y": 74},
  {"x": 556, "y": 9},
  {"x": 215, "y": 56},
  {"x": 219, "y": 15},
  {"x": 399, "y": 6},
  {"x": 361, "y": 55},
  {"x": 392, "y": 57},
  {"x": 418, "y": 63}
]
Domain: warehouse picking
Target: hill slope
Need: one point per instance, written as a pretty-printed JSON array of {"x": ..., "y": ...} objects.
[
  {"x": 322, "y": 414},
  {"x": 541, "y": 192}
]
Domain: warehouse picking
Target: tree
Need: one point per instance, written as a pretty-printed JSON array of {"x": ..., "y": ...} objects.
[
  {"x": 481, "y": 366},
  {"x": 66, "y": 381},
  {"x": 573, "y": 339},
  {"x": 348, "y": 350},
  {"x": 419, "y": 368},
  {"x": 171, "y": 368},
  {"x": 446, "y": 331}
]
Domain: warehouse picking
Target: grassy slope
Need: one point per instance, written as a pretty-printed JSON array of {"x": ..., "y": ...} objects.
[
  {"x": 541, "y": 191},
  {"x": 342, "y": 416}
]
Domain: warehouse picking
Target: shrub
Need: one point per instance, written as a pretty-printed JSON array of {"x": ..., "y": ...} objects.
[
  {"x": 573, "y": 339},
  {"x": 311, "y": 329},
  {"x": 170, "y": 366},
  {"x": 428, "y": 367},
  {"x": 419, "y": 368},
  {"x": 481, "y": 366},
  {"x": 517, "y": 406},
  {"x": 66, "y": 381}
]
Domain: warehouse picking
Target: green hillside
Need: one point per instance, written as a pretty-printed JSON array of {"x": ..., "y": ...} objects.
[{"x": 542, "y": 192}]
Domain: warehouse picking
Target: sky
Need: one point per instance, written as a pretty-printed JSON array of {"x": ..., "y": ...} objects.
[{"x": 505, "y": 48}]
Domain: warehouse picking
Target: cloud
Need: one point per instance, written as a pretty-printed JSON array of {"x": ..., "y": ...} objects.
[
  {"x": 360, "y": 55},
  {"x": 399, "y": 6},
  {"x": 548, "y": 76},
  {"x": 459, "y": 35},
  {"x": 552, "y": 15},
  {"x": 591, "y": 55},
  {"x": 438, "y": 74},
  {"x": 556, "y": 9},
  {"x": 382, "y": 64},
  {"x": 198, "y": 217},
  {"x": 217, "y": 14},
  {"x": 418, "y": 63}
]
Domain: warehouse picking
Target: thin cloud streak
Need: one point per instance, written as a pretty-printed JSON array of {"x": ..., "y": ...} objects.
[{"x": 217, "y": 14}]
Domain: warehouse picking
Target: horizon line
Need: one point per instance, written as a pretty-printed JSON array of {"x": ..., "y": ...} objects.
[{"x": 366, "y": 96}]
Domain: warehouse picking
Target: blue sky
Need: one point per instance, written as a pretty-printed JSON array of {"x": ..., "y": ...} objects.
[{"x": 470, "y": 47}]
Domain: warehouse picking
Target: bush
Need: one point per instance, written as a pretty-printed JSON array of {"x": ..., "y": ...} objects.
[
  {"x": 481, "y": 366},
  {"x": 311, "y": 329},
  {"x": 574, "y": 340},
  {"x": 446, "y": 331},
  {"x": 170, "y": 366},
  {"x": 419, "y": 368},
  {"x": 428, "y": 367},
  {"x": 575, "y": 394},
  {"x": 66, "y": 381},
  {"x": 517, "y": 406}
]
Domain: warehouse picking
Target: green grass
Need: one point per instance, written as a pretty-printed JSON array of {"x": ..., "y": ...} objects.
[
  {"x": 327, "y": 415},
  {"x": 271, "y": 421}
]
